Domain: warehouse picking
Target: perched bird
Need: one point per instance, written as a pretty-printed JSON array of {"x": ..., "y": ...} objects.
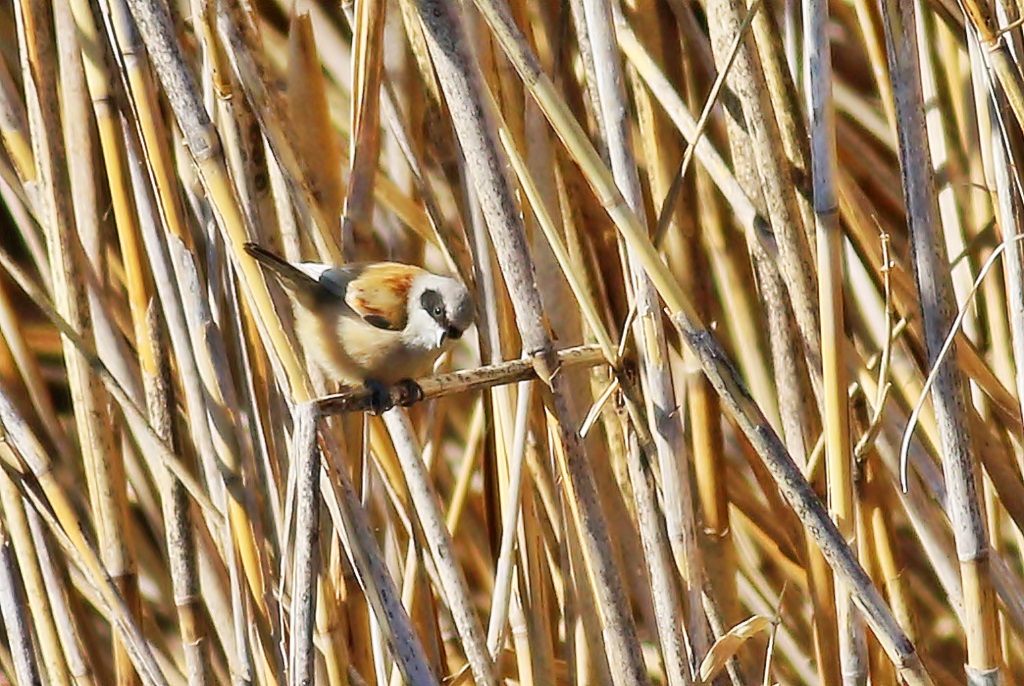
[{"x": 379, "y": 323}]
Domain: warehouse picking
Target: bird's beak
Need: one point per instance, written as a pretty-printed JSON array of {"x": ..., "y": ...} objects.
[{"x": 442, "y": 336}]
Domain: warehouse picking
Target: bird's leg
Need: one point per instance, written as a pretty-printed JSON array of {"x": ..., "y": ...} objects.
[
  {"x": 410, "y": 392},
  {"x": 380, "y": 397}
]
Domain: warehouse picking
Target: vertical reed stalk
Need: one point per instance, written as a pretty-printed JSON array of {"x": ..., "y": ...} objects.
[
  {"x": 649, "y": 333},
  {"x": 474, "y": 125},
  {"x": 23, "y": 550},
  {"x": 102, "y": 463},
  {"x": 13, "y": 609},
  {"x": 839, "y": 458},
  {"x": 964, "y": 500}
]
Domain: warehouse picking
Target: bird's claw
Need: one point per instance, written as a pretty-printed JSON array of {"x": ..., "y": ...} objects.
[
  {"x": 410, "y": 394},
  {"x": 380, "y": 397},
  {"x": 381, "y": 400}
]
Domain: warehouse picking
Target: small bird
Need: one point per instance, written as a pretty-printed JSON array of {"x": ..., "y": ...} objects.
[{"x": 379, "y": 323}]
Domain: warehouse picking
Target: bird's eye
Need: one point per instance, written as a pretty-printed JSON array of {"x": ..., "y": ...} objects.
[{"x": 438, "y": 311}]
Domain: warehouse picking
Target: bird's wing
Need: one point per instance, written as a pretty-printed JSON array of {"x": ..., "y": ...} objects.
[{"x": 378, "y": 292}]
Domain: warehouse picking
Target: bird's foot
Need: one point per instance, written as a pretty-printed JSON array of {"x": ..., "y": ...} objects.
[
  {"x": 380, "y": 397},
  {"x": 381, "y": 400},
  {"x": 410, "y": 392}
]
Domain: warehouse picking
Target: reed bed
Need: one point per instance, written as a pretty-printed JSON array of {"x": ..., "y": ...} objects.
[{"x": 741, "y": 402}]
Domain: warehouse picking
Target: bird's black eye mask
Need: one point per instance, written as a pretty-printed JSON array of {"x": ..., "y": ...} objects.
[{"x": 433, "y": 303}]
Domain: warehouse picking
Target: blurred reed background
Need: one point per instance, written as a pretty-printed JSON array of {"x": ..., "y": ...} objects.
[{"x": 756, "y": 259}]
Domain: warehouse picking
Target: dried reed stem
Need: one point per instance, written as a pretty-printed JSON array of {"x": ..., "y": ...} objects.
[
  {"x": 964, "y": 506},
  {"x": 839, "y": 457},
  {"x": 474, "y": 126}
]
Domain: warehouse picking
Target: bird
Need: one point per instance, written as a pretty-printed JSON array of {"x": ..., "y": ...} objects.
[{"x": 378, "y": 323}]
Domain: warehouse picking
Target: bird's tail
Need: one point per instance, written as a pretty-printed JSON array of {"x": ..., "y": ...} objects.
[{"x": 291, "y": 276}]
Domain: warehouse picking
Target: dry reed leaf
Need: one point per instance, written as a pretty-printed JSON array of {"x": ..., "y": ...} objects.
[
  {"x": 315, "y": 138},
  {"x": 726, "y": 647}
]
